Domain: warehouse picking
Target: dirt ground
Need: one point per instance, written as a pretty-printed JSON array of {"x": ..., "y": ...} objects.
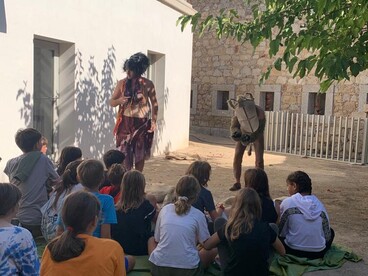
[{"x": 342, "y": 187}]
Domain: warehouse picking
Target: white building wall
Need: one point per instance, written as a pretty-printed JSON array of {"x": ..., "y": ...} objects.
[{"x": 91, "y": 27}]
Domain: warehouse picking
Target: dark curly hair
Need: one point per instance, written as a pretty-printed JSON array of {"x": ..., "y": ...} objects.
[
  {"x": 302, "y": 181},
  {"x": 138, "y": 63}
]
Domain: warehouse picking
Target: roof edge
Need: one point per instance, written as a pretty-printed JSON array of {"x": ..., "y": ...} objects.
[{"x": 180, "y": 5}]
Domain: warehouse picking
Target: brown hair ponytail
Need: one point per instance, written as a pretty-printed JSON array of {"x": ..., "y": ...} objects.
[
  {"x": 79, "y": 211},
  {"x": 187, "y": 191}
]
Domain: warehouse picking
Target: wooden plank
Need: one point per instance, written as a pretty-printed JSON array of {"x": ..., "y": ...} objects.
[
  {"x": 272, "y": 130},
  {"x": 267, "y": 129},
  {"x": 306, "y": 134},
  {"x": 277, "y": 130},
  {"x": 351, "y": 137},
  {"x": 345, "y": 140},
  {"x": 286, "y": 132},
  {"x": 333, "y": 138},
  {"x": 317, "y": 136},
  {"x": 357, "y": 141},
  {"x": 291, "y": 133},
  {"x": 322, "y": 137},
  {"x": 339, "y": 139},
  {"x": 296, "y": 133},
  {"x": 281, "y": 130},
  {"x": 311, "y": 136},
  {"x": 301, "y": 133},
  {"x": 365, "y": 142}
]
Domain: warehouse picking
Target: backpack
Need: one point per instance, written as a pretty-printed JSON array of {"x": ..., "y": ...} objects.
[
  {"x": 246, "y": 112},
  {"x": 49, "y": 217}
]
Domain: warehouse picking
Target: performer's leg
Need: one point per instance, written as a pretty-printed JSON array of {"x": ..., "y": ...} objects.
[
  {"x": 128, "y": 161},
  {"x": 259, "y": 150},
  {"x": 139, "y": 153},
  {"x": 139, "y": 165},
  {"x": 237, "y": 165}
]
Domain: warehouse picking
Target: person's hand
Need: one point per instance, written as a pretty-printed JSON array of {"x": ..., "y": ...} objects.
[
  {"x": 236, "y": 134},
  {"x": 122, "y": 100},
  {"x": 153, "y": 126},
  {"x": 245, "y": 138}
]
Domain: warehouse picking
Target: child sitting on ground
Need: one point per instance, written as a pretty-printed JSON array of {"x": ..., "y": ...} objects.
[
  {"x": 109, "y": 158},
  {"x": 178, "y": 229},
  {"x": 114, "y": 175},
  {"x": 304, "y": 225},
  {"x": 51, "y": 210},
  {"x": 32, "y": 172},
  {"x": 257, "y": 179},
  {"x": 90, "y": 174},
  {"x": 67, "y": 155},
  {"x": 202, "y": 171},
  {"x": 76, "y": 251},
  {"x": 134, "y": 214},
  {"x": 244, "y": 240},
  {"x": 17, "y": 248}
]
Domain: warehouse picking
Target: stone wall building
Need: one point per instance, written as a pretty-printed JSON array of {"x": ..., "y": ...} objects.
[{"x": 223, "y": 69}]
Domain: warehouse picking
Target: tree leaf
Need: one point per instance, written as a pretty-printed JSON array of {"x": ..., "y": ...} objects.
[{"x": 277, "y": 64}]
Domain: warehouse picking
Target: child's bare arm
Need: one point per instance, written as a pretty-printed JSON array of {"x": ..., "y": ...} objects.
[
  {"x": 279, "y": 247},
  {"x": 211, "y": 242},
  {"x": 214, "y": 214},
  {"x": 106, "y": 231}
]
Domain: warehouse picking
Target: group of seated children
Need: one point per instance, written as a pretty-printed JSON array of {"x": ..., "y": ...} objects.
[{"x": 95, "y": 220}]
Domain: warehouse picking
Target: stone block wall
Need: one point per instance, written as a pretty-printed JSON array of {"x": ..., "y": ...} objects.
[{"x": 227, "y": 62}]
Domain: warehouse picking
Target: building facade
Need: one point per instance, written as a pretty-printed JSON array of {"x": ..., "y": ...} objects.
[
  {"x": 223, "y": 69},
  {"x": 60, "y": 61}
]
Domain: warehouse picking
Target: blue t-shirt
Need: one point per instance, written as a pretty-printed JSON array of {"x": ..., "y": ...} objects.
[
  {"x": 18, "y": 253},
  {"x": 107, "y": 213}
]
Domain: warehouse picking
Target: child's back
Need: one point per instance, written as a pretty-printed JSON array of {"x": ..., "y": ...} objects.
[
  {"x": 99, "y": 257},
  {"x": 134, "y": 228},
  {"x": 108, "y": 215},
  {"x": 34, "y": 192},
  {"x": 134, "y": 214},
  {"x": 32, "y": 172},
  {"x": 177, "y": 237},
  {"x": 90, "y": 173},
  {"x": 251, "y": 250},
  {"x": 76, "y": 252},
  {"x": 18, "y": 253}
]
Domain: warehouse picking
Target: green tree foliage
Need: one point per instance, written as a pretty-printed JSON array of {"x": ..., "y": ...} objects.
[{"x": 333, "y": 33}]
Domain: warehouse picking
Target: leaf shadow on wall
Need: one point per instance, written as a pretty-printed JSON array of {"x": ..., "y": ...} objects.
[
  {"x": 27, "y": 109},
  {"x": 161, "y": 124},
  {"x": 95, "y": 117}
]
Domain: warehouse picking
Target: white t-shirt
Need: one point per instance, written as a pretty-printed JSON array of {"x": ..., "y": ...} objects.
[
  {"x": 301, "y": 223},
  {"x": 177, "y": 238}
]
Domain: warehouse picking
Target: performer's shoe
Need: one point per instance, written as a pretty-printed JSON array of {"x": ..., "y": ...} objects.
[{"x": 235, "y": 187}]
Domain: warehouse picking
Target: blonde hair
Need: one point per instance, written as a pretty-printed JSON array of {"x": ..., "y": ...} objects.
[
  {"x": 90, "y": 173},
  {"x": 132, "y": 191},
  {"x": 245, "y": 210},
  {"x": 187, "y": 191}
]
